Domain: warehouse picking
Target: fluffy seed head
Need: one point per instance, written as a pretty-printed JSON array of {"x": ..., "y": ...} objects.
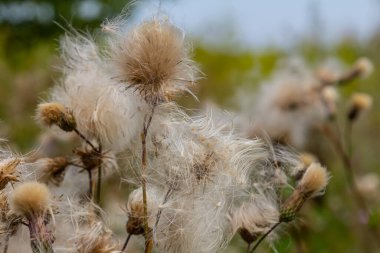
[
  {"x": 8, "y": 171},
  {"x": 52, "y": 169},
  {"x": 364, "y": 66},
  {"x": 56, "y": 114},
  {"x": 315, "y": 180},
  {"x": 30, "y": 199},
  {"x": 307, "y": 159},
  {"x": 360, "y": 102},
  {"x": 368, "y": 185},
  {"x": 97, "y": 240},
  {"x": 152, "y": 60}
]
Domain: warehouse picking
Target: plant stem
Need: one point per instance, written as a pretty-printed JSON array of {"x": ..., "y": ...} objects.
[
  {"x": 99, "y": 183},
  {"x": 85, "y": 139},
  {"x": 158, "y": 216},
  {"x": 264, "y": 236},
  {"x": 90, "y": 183},
  {"x": 126, "y": 242},
  {"x": 346, "y": 160},
  {"x": 147, "y": 232},
  {"x": 6, "y": 243}
]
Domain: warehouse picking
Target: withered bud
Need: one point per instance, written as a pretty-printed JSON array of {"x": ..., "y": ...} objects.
[
  {"x": 56, "y": 114},
  {"x": 90, "y": 159},
  {"x": 8, "y": 171},
  {"x": 313, "y": 183},
  {"x": 359, "y": 103}
]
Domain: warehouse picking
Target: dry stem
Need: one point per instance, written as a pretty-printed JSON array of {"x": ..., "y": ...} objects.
[{"x": 147, "y": 232}]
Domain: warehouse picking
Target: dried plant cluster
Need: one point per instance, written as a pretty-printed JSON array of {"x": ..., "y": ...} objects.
[
  {"x": 196, "y": 183},
  {"x": 298, "y": 103}
]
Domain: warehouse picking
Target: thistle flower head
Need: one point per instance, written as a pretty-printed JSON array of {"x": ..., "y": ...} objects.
[
  {"x": 364, "y": 66},
  {"x": 8, "y": 171},
  {"x": 51, "y": 169},
  {"x": 360, "y": 102},
  {"x": 56, "y": 114},
  {"x": 153, "y": 60},
  {"x": 135, "y": 210},
  {"x": 30, "y": 199},
  {"x": 312, "y": 184},
  {"x": 314, "y": 181},
  {"x": 368, "y": 185}
]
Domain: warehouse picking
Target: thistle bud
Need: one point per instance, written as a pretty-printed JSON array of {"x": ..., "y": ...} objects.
[
  {"x": 313, "y": 182},
  {"x": 56, "y": 114},
  {"x": 360, "y": 102}
]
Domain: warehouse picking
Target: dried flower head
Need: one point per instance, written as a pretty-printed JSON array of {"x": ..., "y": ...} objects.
[
  {"x": 30, "y": 199},
  {"x": 364, "y": 66},
  {"x": 360, "y": 102},
  {"x": 153, "y": 60},
  {"x": 56, "y": 114},
  {"x": 368, "y": 185},
  {"x": 313, "y": 182},
  {"x": 97, "y": 239},
  {"x": 52, "y": 169},
  {"x": 307, "y": 159},
  {"x": 135, "y": 211},
  {"x": 8, "y": 171}
]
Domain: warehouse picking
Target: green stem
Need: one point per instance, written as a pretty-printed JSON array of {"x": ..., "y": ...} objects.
[{"x": 264, "y": 236}]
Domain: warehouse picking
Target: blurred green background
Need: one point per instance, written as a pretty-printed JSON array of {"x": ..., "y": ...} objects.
[{"x": 29, "y": 65}]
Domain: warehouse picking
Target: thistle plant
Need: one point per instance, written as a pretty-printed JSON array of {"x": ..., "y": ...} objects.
[{"x": 195, "y": 182}]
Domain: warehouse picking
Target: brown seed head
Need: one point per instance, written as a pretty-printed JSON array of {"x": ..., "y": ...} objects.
[
  {"x": 53, "y": 170},
  {"x": 30, "y": 199},
  {"x": 56, "y": 114},
  {"x": 153, "y": 61},
  {"x": 313, "y": 182}
]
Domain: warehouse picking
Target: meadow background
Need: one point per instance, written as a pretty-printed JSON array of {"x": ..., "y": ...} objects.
[{"x": 237, "y": 44}]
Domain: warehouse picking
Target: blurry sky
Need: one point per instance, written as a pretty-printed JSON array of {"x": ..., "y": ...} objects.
[{"x": 257, "y": 23}]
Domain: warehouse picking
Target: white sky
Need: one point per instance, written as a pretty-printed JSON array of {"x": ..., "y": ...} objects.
[{"x": 256, "y": 23}]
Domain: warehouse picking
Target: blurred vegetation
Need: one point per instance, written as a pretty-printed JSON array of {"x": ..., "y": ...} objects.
[{"x": 28, "y": 67}]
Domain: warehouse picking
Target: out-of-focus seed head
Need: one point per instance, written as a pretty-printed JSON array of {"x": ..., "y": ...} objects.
[
  {"x": 56, "y": 114},
  {"x": 364, "y": 67},
  {"x": 360, "y": 102}
]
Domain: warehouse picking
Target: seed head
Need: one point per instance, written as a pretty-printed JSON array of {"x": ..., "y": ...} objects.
[
  {"x": 313, "y": 182},
  {"x": 364, "y": 66},
  {"x": 153, "y": 60},
  {"x": 56, "y": 114},
  {"x": 52, "y": 169},
  {"x": 8, "y": 171},
  {"x": 30, "y": 199},
  {"x": 360, "y": 102}
]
